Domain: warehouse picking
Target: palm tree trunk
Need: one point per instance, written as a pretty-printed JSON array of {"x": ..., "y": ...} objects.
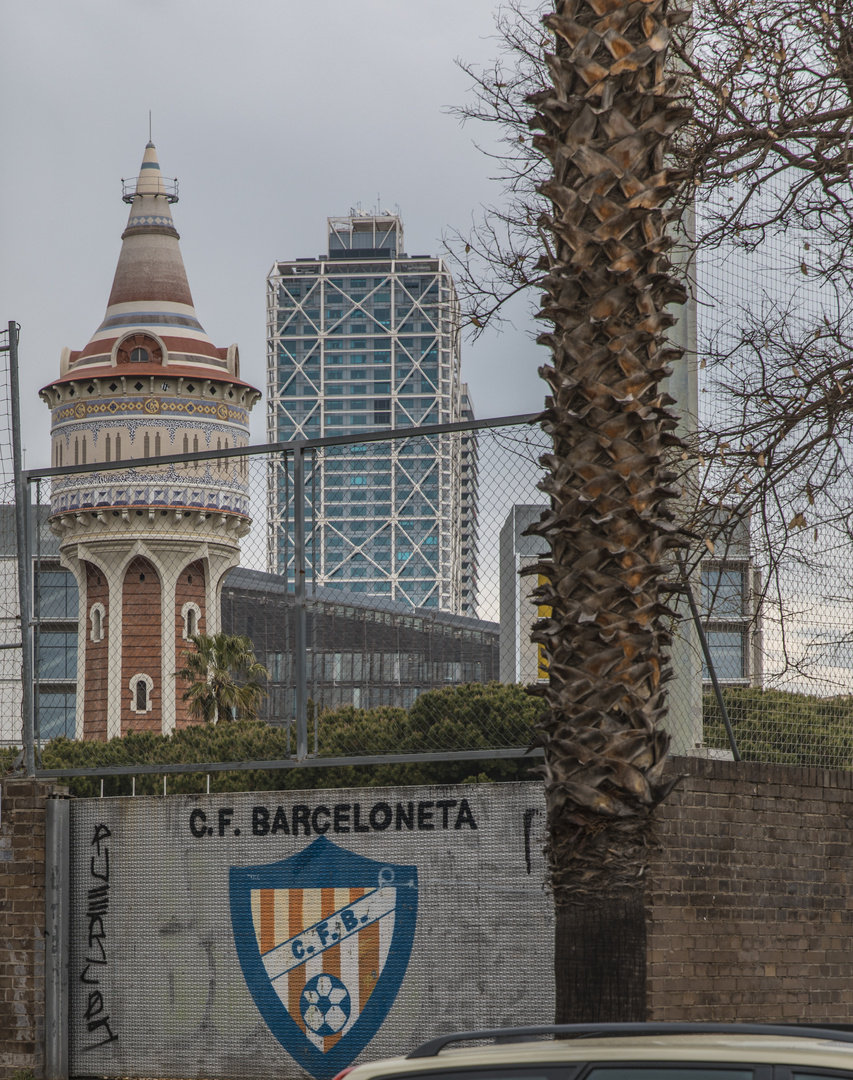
[
  {"x": 604, "y": 125},
  {"x": 600, "y": 959}
]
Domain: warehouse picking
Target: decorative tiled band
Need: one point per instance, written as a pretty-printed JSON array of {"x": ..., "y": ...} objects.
[{"x": 216, "y": 410}]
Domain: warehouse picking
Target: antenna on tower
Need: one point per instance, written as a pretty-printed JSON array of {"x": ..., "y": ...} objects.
[{"x": 149, "y": 126}]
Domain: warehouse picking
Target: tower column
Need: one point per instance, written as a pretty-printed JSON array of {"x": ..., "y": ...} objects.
[{"x": 149, "y": 382}]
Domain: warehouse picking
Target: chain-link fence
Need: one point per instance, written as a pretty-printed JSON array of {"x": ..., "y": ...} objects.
[
  {"x": 375, "y": 580},
  {"x": 774, "y": 457},
  {"x": 364, "y": 575}
]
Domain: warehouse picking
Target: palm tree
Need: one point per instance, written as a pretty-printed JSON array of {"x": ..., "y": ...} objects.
[
  {"x": 224, "y": 676},
  {"x": 604, "y": 125}
]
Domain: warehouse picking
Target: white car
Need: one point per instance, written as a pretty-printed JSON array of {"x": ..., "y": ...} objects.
[{"x": 626, "y": 1052}]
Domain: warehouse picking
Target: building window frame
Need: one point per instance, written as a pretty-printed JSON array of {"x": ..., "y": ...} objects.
[
  {"x": 133, "y": 686},
  {"x": 97, "y": 619},
  {"x": 191, "y": 615}
]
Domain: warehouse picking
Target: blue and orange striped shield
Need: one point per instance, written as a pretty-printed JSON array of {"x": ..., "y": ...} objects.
[{"x": 324, "y": 940}]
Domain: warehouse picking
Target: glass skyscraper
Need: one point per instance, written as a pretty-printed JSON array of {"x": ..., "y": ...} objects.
[{"x": 362, "y": 339}]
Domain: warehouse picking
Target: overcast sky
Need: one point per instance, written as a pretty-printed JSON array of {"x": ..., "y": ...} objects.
[{"x": 273, "y": 114}]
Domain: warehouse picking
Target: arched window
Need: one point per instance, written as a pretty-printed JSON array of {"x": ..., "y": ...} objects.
[
  {"x": 157, "y": 445},
  {"x": 97, "y": 615},
  {"x": 186, "y": 444},
  {"x": 141, "y": 687},
  {"x": 191, "y": 614},
  {"x": 147, "y": 445},
  {"x": 84, "y": 449},
  {"x": 118, "y": 447},
  {"x": 76, "y": 451},
  {"x": 139, "y": 356},
  {"x": 107, "y": 448}
]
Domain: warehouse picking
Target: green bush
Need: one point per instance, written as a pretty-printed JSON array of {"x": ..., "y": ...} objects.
[
  {"x": 785, "y": 728},
  {"x": 468, "y": 717}
]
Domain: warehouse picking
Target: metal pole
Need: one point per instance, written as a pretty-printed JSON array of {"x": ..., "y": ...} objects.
[
  {"x": 57, "y": 935},
  {"x": 706, "y": 652},
  {"x": 22, "y": 498},
  {"x": 34, "y": 527},
  {"x": 300, "y": 642}
]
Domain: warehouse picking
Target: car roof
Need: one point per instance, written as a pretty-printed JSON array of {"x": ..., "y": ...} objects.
[{"x": 727, "y": 1047}]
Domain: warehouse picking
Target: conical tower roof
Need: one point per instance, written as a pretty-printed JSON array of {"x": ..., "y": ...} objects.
[{"x": 150, "y": 321}]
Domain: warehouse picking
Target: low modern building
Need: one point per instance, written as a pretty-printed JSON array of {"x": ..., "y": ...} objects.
[{"x": 358, "y": 653}]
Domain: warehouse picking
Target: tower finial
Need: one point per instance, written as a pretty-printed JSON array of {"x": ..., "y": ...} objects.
[{"x": 149, "y": 126}]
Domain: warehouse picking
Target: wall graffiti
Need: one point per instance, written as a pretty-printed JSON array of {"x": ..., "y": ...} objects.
[{"x": 96, "y": 1015}]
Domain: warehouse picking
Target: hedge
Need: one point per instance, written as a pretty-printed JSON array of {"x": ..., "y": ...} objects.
[{"x": 469, "y": 717}]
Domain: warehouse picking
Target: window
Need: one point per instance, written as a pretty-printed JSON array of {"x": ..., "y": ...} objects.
[
  {"x": 55, "y": 713},
  {"x": 139, "y": 356},
  {"x": 56, "y": 594},
  {"x": 191, "y": 614},
  {"x": 56, "y": 655},
  {"x": 727, "y": 654},
  {"x": 723, "y": 592},
  {"x": 96, "y": 618},
  {"x": 141, "y": 687}
]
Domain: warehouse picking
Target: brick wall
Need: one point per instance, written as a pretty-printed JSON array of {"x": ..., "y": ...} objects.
[
  {"x": 141, "y": 644},
  {"x": 190, "y": 587},
  {"x": 97, "y": 654},
  {"x": 752, "y": 895},
  {"x": 22, "y": 916}
]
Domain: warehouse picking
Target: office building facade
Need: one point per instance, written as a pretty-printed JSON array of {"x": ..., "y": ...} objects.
[{"x": 363, "y": 339}]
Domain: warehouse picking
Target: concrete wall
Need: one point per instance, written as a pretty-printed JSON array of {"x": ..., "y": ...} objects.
[{"x": 192, "y": 953}]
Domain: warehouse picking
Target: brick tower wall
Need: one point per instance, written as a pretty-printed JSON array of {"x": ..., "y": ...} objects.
[
  {"x": 141, "y": 599},
  {"x": 190, "y": 588},
  {"x": 95, "y": 693}
]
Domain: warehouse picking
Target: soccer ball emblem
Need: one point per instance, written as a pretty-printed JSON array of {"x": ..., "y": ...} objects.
[{"x": 325, "y": 1004}]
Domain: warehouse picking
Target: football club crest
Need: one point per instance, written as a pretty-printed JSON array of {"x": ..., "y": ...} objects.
[{"x": 324, "y": 940}]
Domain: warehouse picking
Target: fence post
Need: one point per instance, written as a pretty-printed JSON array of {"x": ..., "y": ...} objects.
[
  {"x": 22, "y": 499},
  {"x": 300, "y": 637}
]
